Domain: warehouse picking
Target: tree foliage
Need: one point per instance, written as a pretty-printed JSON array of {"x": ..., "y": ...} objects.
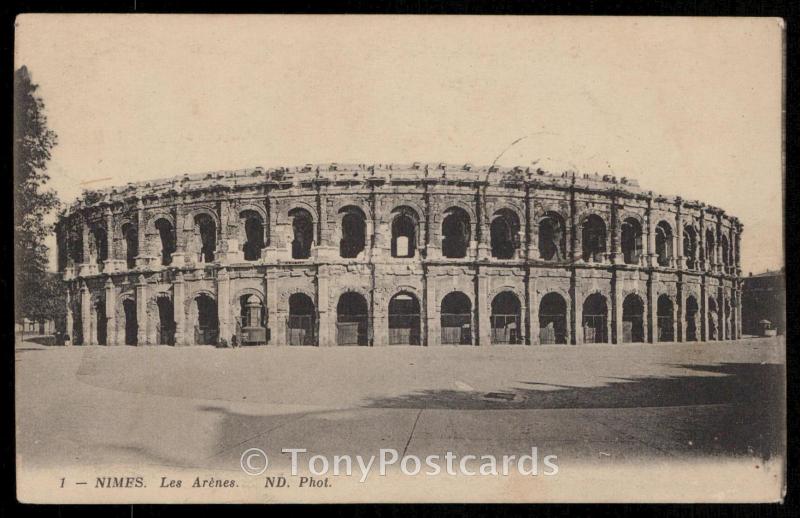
[{"x": 33, "y": 202}]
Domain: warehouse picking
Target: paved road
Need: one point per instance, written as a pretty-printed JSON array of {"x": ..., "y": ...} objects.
[{"x": 200, "y": 407}]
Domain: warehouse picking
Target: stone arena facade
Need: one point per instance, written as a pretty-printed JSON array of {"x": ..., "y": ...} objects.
[{"x": 419, "y": 254}]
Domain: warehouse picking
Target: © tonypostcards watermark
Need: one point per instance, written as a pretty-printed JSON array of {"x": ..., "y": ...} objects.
[{"x": 254, "y": 461}]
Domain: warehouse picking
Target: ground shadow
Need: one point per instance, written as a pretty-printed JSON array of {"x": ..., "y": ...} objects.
[
  {"x": 735, "y": 408},
  {"x": 726, "y": 383}
]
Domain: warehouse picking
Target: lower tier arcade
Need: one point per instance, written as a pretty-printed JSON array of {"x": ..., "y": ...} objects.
[{"x": 420, "y": 303}]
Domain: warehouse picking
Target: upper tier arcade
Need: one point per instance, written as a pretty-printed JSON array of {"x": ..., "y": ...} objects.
[{"x": 432, "y": 213}]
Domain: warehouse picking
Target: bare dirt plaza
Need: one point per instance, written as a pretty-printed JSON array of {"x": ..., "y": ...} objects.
[{"x": 200, "y": 407}]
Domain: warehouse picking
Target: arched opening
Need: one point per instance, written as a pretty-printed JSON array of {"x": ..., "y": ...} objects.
[
  {"x": 595, "y": 319},
  {"x": 506, "y": 319},
  {"x": 302, "y": 232},
  {"x": 455, "y": 233},
  {"x": 726, "y": 335},
  {"x": 713, "y": 319},
  {"x": 404, "y": 320},
  {"x": 101, "y": 322},
  {"x": 75, "y": 241},
  {"x": 352, "y": 319},
  {"x": 100, "y": 245},
  {"x": 726, "y": 252},
  {"x": 690, "y": 246},
  {"x": 77, "y": 326},
  {"x": 456, "y": 319},
  {"x": 404, "y": 233},
  {"x": 593, "y": 239},
  {"x": 206, "y": 331},
  {"x": 504, "y": 234},
  {"x": 663, "y": 243},
  {"x": 301, "y": 326},
  {"x": 552, "y": 238},
  {"x": 206, "y": 234},
  {"x": 251, "y": 323},
  {"x": 253, "y": 234},
  {"x": 631, "y": 241},
  {"x": 165, "y": 333},
  {"x": 131, "y": 324},
  {"x": 691, "y": 319},
  {"x": 131, "y": 235},
  {"x": 354, "y": 232},
  {"x": 632, "y": 319},
  {"x": 666, "y": 324},
  {"x": 167, "y": 234},
  {"x": 553, "y": 319},
  {"x": 61, "y": 250},
  {"x": 710, "y": 248}
]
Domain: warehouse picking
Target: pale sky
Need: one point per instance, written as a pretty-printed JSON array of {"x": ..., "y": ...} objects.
[{"x": 688, "y": 107}]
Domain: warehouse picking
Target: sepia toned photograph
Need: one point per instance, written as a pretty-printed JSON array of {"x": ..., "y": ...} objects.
[{"x": 348, "y": 258}]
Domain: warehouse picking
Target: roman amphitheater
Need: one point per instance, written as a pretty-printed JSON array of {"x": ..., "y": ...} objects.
[{"x": 416, "y": 254}]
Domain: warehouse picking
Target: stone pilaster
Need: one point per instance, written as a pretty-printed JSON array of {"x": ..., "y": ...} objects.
[
  {"x": 111, "y": 313},
  {"x": 142, "y": 319},
  {"x": 615, "y": 255},
  {"x": 277, "y": 315},
  {"x": 484, "y": 314},
  {"x": 615, "y": 327},
  {"x": 680, "y": 261},
  {"x": 69, "y": 321},
  {"x": 432, "y": 314},
  {"x": 179, "y": 255},
  {"x": 223, "y": 304},
  {"x": 86, "y": 314},
  {"x": 703, "y": 331},
  {"x": 651, "y": 312},
  {"x": 651, "y": 257},
  {"x": 178, "y": 309},
  {"x": 327, "y": 320}
]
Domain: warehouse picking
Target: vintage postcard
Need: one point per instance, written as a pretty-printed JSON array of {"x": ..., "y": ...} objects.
[{"x": 399, "y": 259}]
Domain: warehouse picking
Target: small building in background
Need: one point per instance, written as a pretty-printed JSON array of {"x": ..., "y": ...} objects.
[{"x": 764, "y": 298}]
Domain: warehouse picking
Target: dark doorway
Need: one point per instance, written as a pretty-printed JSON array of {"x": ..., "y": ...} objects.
[
  {"x": 632, "y": 319},
  {"x": 166, "y": 321},
  {"x": 666, "y": 323},
  {"x": 102, "y": 322},
  {"x": 404, "y": 320},
  {"x": 352, "y": 320},
  {"x": 207, "y": 328},
  {"x": 631, "y": 241},
  {"x": 663, "y": 243},
  {"x": 456, "y": 319},
  {"x": 303, "y": 233},
  {"x": 404, "y": 235},
  {"x": 100, "y": 242},
  {"x": 553, "y": 319},
  {"x": 301, "y": 326},
  {"x": 254, "y": 235},
  {"x": 206, "y": 229},
  {"x": 506, "y": 319},
  {"x": 593, "y": 239},
  {"x": 691, "y": 319},
  {"x": 354, "y": 230},
  {"x": 131, "y": 324},
  {"x": 690, "y": 246},
  {"x": 167, "y": 235},
  {"x": 552, "y": 238},
  {"x": 504, "y": 234},
  {"x": 713, "y": 320},
  {"x": 595, "y": 319},
  {"x": 455, "y": 233},
  {"x": 131, "y": 235}
]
